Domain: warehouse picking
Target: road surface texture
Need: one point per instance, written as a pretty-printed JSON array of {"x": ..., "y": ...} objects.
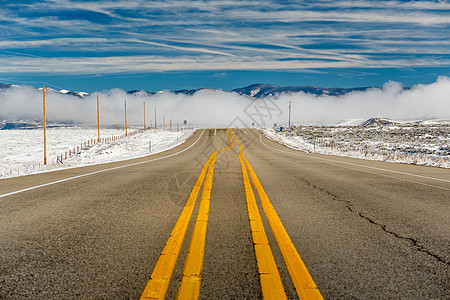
[{"x": 359, "y": 229}]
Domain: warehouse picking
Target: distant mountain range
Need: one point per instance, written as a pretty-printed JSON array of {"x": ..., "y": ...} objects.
[
  {"x": 377, "y": 122},
  {"x": 264, "y": 90},
  {"x": 6, "y": 86},
  {"x": 47, "y": 89},
  {"x": 254, "y": 90}
]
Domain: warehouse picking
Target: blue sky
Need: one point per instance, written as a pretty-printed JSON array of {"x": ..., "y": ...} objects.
[{"x": 155, "y": 45}]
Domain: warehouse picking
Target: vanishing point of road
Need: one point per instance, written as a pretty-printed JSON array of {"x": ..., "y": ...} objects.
[{"x": 228, "y": 214}]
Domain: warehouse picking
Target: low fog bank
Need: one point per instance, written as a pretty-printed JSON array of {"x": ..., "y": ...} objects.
[{"x": 212, "y": 108}]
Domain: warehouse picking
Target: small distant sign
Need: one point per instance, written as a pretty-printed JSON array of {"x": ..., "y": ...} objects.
[
  {"x": 185, "y": 122},
  {"x": 281, "y": 128}
]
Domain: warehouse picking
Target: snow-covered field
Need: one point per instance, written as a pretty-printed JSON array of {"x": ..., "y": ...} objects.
[
  {"x": 425, "y": 144},
  {"x": 21, "y": 151}
]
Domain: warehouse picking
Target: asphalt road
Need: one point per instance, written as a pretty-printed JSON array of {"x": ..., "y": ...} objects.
[{"x": 364, "y": 229}]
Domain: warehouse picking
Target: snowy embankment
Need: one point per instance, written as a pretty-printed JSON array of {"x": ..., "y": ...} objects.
[
  {"x": 427, "y": 145},
  {"x": 21, "y": 151}
]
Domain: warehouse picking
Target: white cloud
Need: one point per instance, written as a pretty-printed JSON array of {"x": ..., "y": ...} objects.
[
  {"x": 188, "y": 49},
  {"x": 422, "y": 5},
  {"x": 51, "y": 42},
  {"x": 214, "y": 108},
  {"x": 146, "y": 63},
  {"x": 350, "y": 16},
  {"x": 198, "y": 35},
  {"x": 421, "y": 102}
]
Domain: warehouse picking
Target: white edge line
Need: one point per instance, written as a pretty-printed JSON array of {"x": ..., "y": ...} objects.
[
  {"x": 97, "y": 172},
  {"x": 367, "y": 167}
]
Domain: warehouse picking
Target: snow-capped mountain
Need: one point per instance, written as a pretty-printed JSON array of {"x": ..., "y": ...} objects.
[
  {"x": 253, "y": 91},
  {"x": 379, "y": 122},
  {"x": 78, "y": 94},
  {"x": 7, "y": 86},
  {"x": 376, "y": 121},
  {"x": 185, "y": 92},
  {"x": 19, "y": 125},
  {"x": 48, "y": 90},
  {"x": 66, "y": 92},
  {"x": 264, "y": 90}
]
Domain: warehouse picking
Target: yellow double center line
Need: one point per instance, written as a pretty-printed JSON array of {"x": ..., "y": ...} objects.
[
  {"x": 190, "y": 284},
  {"x": 156, "y": 287},
  {"x": 271, "y": 285}
]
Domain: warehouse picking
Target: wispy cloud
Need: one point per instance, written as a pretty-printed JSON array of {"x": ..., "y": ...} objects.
[
  {"x": 203, "y": 35},
  {"x": 184, "y": 49},
  {"x": 127, "y": 64}
]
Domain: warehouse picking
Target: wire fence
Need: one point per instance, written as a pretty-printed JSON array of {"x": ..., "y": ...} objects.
[{"x": 427, "y": 145}]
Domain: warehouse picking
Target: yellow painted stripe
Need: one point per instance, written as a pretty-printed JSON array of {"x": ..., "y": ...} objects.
[
  {"x": 303, "y": 282},
  {"x": 190, "y": 283},
  {"x": 156, "y": 287},
  {"x": 271, "y": 284}
]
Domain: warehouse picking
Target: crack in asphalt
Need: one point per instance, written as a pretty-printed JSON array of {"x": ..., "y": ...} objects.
[
  {"x": 348, "y": 205},
  {"x": 413, "y": 241},
  {"x": 335, "y": 197}
]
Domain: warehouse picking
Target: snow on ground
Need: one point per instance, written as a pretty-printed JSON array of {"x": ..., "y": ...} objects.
[
  {"x": 21, "y": 151},
  {"x": 425, "y": 144}
]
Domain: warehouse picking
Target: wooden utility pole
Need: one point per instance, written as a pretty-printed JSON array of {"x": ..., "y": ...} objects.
[
  {"x": 45, "y": 128},
  {"x": 170, "y": 125},
  {"x": 98, "y": 121},
  {"x": 155, "y": 118},
  {"x": 126, "y": 126},
  {"x": 290, "y": 102},
  {"x": 144, "y": 115}
]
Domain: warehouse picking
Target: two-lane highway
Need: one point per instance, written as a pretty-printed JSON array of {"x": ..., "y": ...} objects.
[{"x": 363, "y": 229}]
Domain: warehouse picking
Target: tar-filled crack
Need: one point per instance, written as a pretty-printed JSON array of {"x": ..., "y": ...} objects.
[{"x": 348, "y": 205}]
